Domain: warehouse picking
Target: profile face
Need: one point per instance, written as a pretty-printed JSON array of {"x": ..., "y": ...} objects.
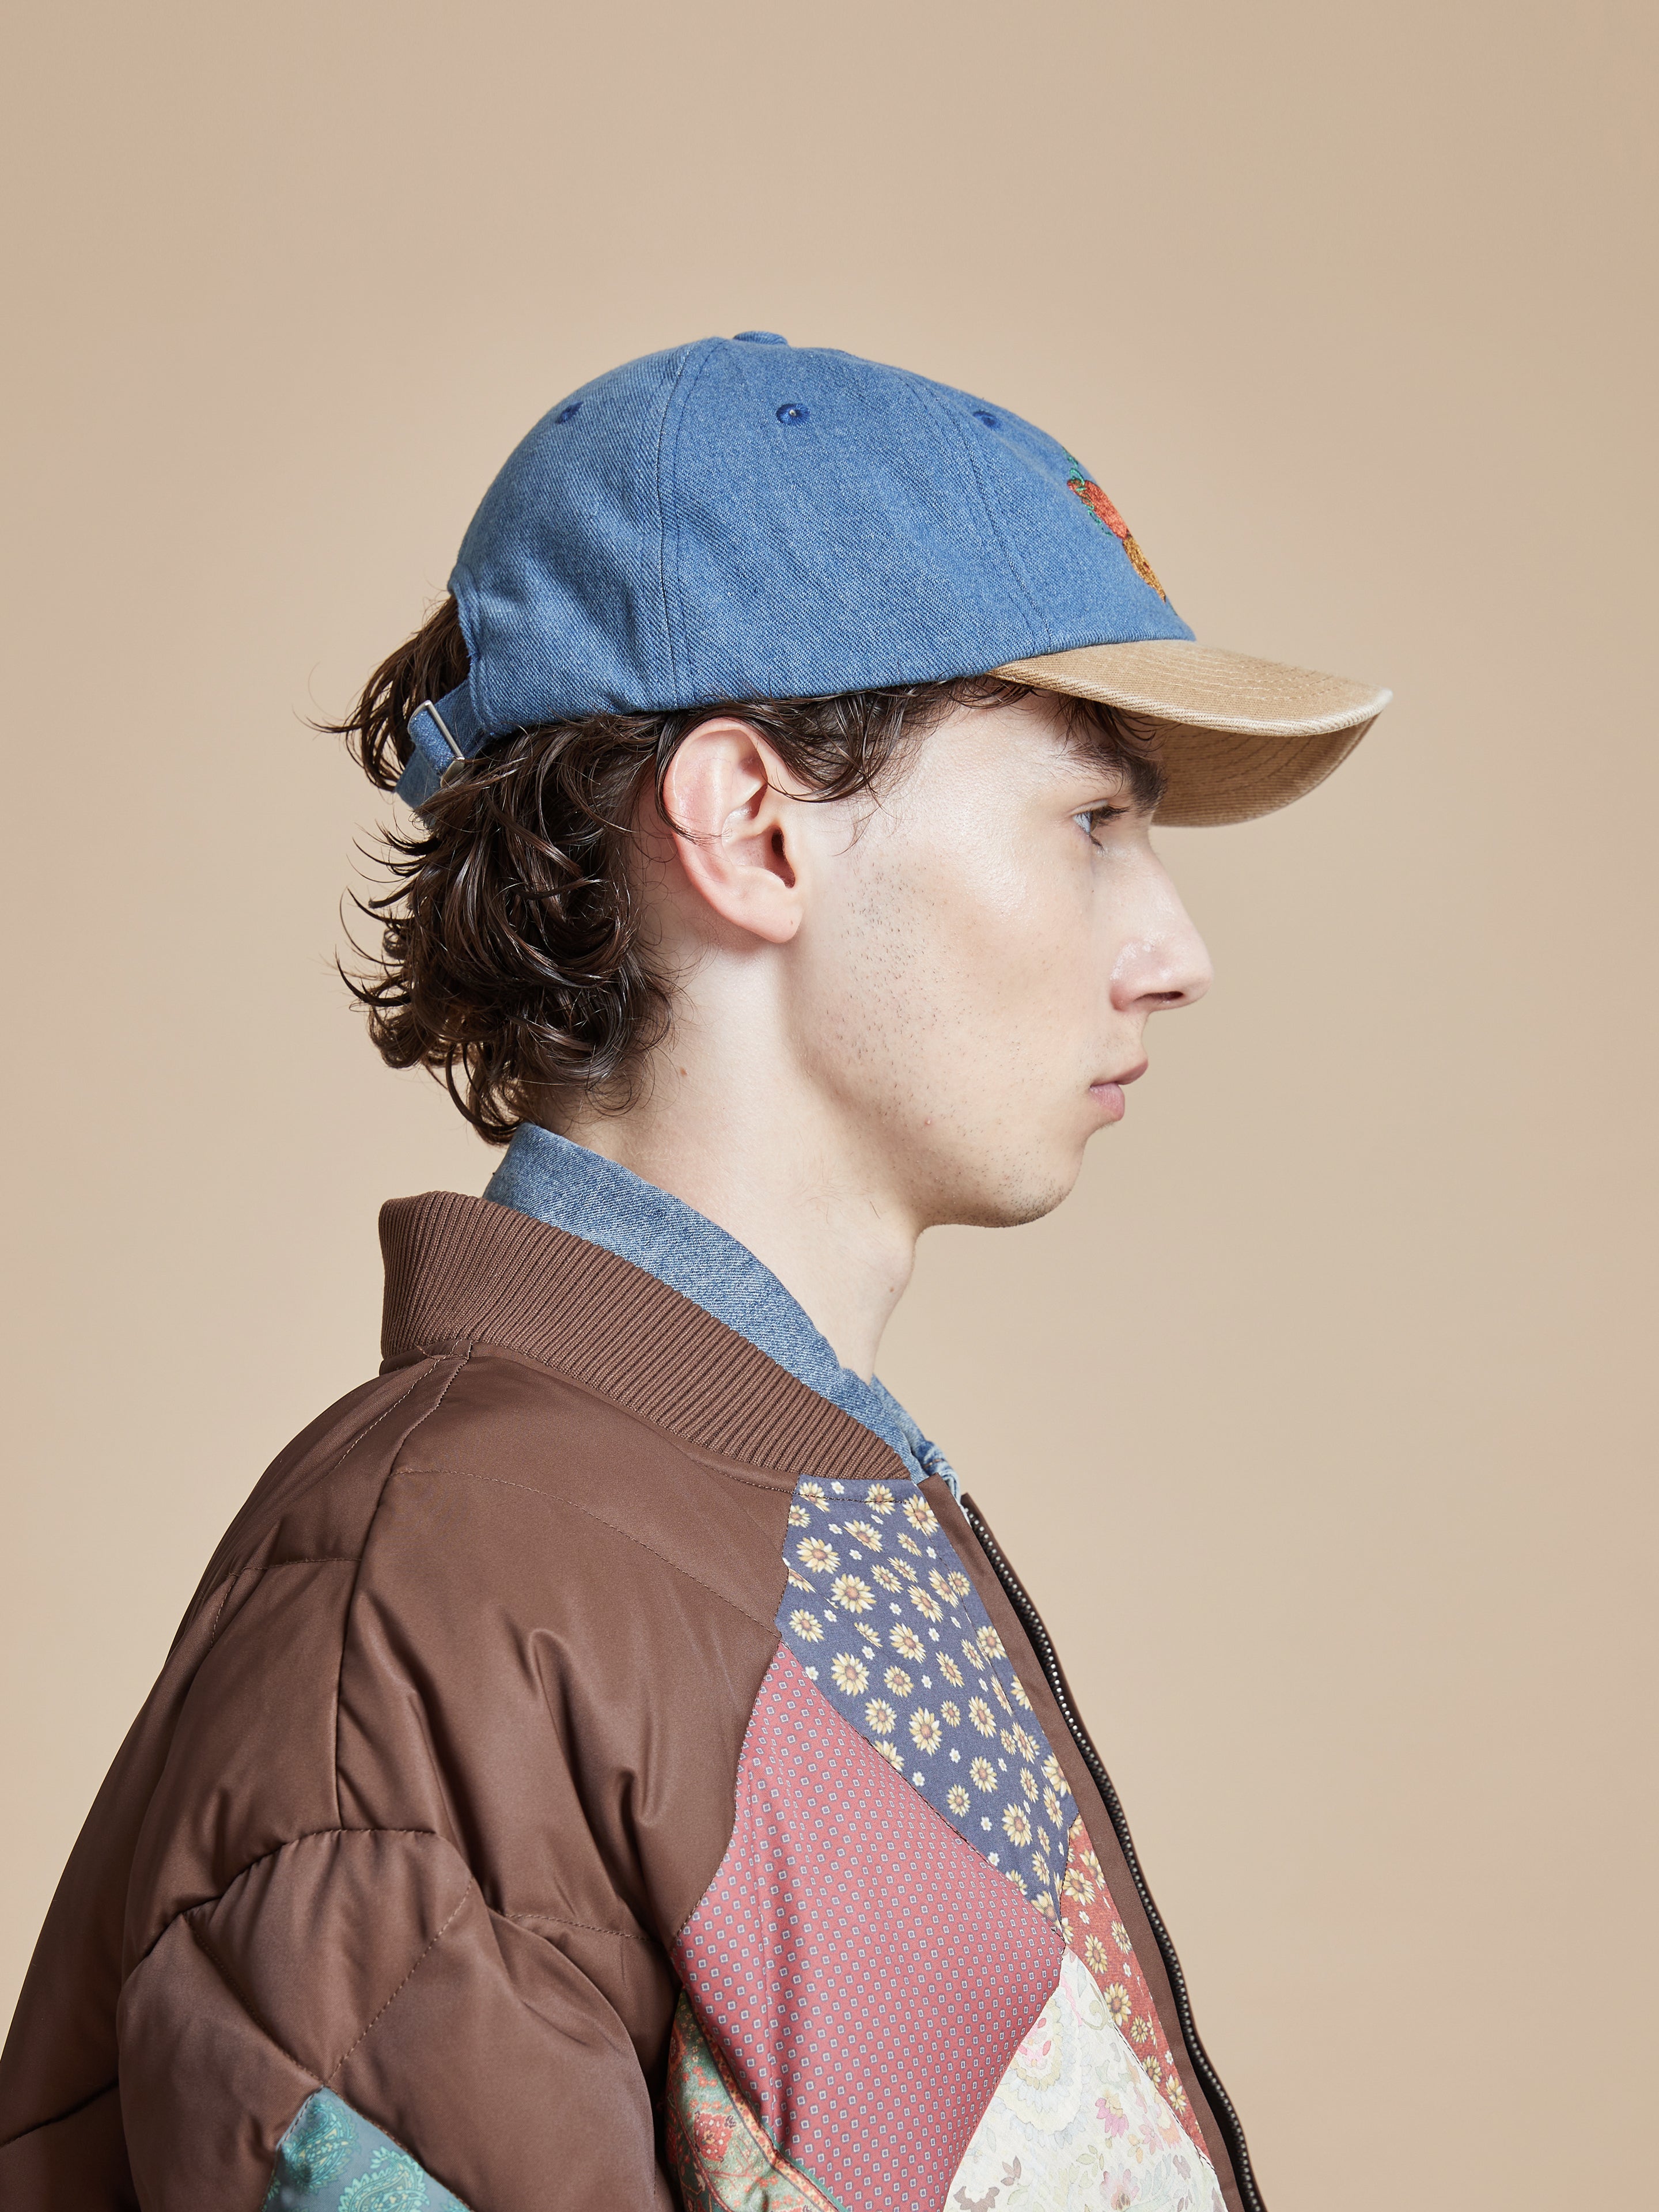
[{"x": 984, "y": 945}]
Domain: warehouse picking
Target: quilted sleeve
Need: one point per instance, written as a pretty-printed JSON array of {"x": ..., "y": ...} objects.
[{"x": 354, "y": 1982}]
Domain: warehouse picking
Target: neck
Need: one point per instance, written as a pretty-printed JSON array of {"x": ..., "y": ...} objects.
[{"x": 762, "y": 1158}]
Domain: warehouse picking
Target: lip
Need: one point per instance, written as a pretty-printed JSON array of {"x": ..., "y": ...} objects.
[{"x": 1108, "y": 1093}]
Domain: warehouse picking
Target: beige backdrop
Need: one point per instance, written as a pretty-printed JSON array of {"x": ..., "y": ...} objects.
[{"x": 1315, "y": 1419}]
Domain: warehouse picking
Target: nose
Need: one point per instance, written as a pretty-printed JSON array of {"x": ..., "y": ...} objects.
[{"x": 1163, "y": 962}]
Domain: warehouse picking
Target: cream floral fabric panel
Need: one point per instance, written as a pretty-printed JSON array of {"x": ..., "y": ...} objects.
[{"x": 1076, "y": 2125}]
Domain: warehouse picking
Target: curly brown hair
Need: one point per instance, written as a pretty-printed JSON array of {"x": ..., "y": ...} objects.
[{"x": 511, "y": 964}]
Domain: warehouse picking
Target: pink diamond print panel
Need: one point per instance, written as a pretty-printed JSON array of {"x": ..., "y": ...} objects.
[{"x": 867, "y": 1975}]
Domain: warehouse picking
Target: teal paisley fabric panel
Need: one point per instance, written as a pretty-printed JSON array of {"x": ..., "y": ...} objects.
[{"x": 332, "y": 2160}]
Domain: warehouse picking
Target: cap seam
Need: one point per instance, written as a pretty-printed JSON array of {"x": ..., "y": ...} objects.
[
  {"x": 1011, "y": 561},
  {"x": 677, "y": 405},
  {"x": 466, "y": 605}
]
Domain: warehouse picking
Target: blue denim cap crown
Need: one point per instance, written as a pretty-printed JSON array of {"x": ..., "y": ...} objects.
[{"x": 742, "y": 519}]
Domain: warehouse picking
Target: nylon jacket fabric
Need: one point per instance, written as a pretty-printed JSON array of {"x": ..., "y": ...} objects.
[{"x": 469, "y": 1787}]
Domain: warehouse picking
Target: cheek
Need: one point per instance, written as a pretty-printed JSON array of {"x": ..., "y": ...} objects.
[
  {"x": 1014, "y": 940},
  {"x": 937, "y": 968}
]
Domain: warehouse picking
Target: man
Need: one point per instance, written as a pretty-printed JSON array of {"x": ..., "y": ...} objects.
[{"x": 607, "y": 1763}]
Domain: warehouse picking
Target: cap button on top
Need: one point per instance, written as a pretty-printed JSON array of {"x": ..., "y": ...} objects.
[{"x": 757, "y": 338}]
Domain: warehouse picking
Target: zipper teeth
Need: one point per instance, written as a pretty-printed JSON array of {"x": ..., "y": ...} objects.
[{"x": 1221, "y": 2103}]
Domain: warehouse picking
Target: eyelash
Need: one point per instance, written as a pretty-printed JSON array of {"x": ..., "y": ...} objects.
[{"x": 1090, "y": 815}]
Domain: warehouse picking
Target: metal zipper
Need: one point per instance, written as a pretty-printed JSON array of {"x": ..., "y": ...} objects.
[{"x": 1031, "y": 1620}]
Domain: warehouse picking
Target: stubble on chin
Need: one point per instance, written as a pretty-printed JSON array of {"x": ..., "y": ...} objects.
[{"x": 996, "y": 1193}]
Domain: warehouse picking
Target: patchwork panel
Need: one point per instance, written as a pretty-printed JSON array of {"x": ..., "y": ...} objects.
[
  {"x": 723, "y": 2157},
  {"x": 886, "y": 1624},
  {"x": 1077, "y": 2126},
  {"x": 866, "y": 1975},
  {"x": 1093, "y": 1930},
  {"x": 332, "y": 2160}
]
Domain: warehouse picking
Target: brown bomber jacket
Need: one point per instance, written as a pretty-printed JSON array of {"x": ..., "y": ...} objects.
[{"x": 530, "y": 1783}]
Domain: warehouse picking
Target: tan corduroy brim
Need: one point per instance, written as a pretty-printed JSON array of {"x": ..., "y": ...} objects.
[{"x": 1238, "y": 737}]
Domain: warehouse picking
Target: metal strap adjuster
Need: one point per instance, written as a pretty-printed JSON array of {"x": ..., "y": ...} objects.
[{"x": 457, "y": 758}]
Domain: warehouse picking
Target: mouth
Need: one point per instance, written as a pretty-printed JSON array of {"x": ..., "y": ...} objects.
[{"x": 1108, "y": 1094}]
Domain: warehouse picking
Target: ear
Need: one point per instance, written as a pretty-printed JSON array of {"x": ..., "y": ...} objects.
[{"x": 734, "y": 818}]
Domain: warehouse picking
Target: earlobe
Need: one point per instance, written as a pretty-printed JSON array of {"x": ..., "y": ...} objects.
[{"x": 730, "y": 813}]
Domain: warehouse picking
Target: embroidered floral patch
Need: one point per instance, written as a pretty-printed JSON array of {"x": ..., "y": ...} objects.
[{"x": 1104, "y": 513}]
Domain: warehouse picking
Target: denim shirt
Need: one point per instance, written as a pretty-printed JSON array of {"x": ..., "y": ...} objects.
[{"x": 580, "y": 1192}]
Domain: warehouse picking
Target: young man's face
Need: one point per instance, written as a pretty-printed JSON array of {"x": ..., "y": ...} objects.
[{"x": 973, "y": 970}]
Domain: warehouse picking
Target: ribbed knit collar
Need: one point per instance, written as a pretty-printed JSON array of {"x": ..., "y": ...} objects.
[
  {"x": 466, "y": 1271},
  {"x": 571, "y": 1188}
]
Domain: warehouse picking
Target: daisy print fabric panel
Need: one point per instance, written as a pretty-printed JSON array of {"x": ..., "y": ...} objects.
[
  {"x": 884, "y": 1622},
  {"x": 863, "y": 1975},
  {"x": 1077, "y": 2126}
]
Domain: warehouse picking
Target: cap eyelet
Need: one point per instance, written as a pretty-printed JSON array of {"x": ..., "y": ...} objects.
[
  {"x": 565, "y": 414},
  {"x": 790, "y": 414},
  {"x": 984, "y": 414}
]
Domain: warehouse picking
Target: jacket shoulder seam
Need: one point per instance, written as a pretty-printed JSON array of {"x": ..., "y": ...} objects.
[
  {"x": 343, "y": 1454},
  {"x": 461, "y": 1356}
]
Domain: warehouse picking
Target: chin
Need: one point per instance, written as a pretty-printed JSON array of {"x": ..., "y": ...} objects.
[{"x": 1025, "y": 1191}]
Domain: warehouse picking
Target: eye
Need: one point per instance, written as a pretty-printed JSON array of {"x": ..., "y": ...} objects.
[{"x": 1093, "y": 818}]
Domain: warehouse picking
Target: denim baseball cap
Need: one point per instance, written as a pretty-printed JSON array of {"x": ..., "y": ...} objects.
[{"x": 741, "y": 519}]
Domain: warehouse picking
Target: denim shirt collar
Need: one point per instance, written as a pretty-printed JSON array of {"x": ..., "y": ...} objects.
[{"x": 579, "y": 1191}]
